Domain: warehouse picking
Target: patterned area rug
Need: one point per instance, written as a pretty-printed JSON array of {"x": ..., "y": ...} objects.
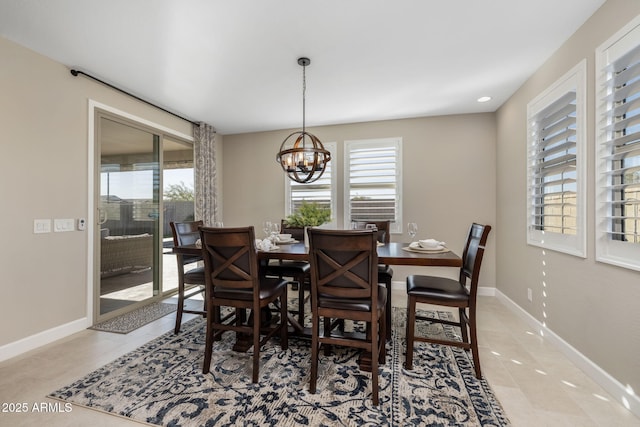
[
  {"x": 162, "y": 383},
  {"x": 135, "y": 319}
]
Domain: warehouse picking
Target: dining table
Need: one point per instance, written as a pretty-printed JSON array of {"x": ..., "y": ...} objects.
[{"x": 393, "y": 253}]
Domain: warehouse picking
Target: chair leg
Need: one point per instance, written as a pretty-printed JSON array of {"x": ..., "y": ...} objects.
[
  {"x": 387, "y": 284},
  {"x": 327, "y": 332},
  {"x": 284, "y": 333},
  {"x": 315, "y": 331},
  {"x": 463, "y": 324},
  {"x": 300, "y": 299},
  {"x": 474, "y": 343},
  {"x": 208, "y": 349},
  {"x": 180, "y": 306},
  {"x": 411, "y": 324},
  {"x": 217, "y": 318},
  {"x": 383, "y": 333},
  {"x": 256, "y": 347},
  {"x": 375, "y": 335}
]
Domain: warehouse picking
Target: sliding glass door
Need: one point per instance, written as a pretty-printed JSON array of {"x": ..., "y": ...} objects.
[{"x": 129, "y": 216}]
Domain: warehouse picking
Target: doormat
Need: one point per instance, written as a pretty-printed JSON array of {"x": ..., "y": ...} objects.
[{"x": 135, "y": 319}]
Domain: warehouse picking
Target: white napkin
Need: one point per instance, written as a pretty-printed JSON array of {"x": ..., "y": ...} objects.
[
  {"x": 264, "y": 245},
  {"x": 430, "y": 243},
  {"x": 198, "y": 243}
]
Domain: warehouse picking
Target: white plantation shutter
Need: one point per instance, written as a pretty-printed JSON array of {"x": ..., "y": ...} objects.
[
  {"x": 553, "y": 162},
  {"x": 372, "y": 181},
  {"x": 618, "y": 150},
  {"x": 622, "y": 147},
  {"x": 556, "y": 170},
  {"x": 321, "y": 191}
]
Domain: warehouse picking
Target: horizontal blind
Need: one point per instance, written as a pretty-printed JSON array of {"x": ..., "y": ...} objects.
[
  {"x": 373, "y": 181},
  {"x": 622, "y": 146},
  {"x": 552, "y": 162}
]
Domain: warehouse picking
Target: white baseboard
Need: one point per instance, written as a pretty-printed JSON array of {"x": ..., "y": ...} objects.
[
  {"x": 32, "y": 342},
  {"x": 627, "y": 398}
]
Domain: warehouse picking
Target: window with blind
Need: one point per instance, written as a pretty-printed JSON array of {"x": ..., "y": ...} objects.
[
  {"x": 372, "y": 181},
  {"x": 556, "y": 165},
  {"x": 618, "y": 149},
  {"x": 322, "y": 191}
]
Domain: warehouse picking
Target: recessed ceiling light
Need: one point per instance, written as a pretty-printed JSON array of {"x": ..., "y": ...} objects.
[{"x": 484, "y": 99}]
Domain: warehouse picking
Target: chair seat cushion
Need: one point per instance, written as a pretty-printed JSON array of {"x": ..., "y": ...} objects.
[
  {"x": 269, "y": 287},
  {"x": 385, "y": 271},
  {"x": 194, "y": 276},
  {"x": 188, "y": 259},
  {"x": 355, "y": 304},
  {"x": 288, "y": 268},
  {"x": 440, "y": 288}
]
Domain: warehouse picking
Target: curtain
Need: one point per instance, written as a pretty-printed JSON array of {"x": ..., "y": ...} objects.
[{"x": 206, "y": 191}]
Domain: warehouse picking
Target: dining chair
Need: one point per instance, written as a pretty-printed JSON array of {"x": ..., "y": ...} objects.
[
  {"x": 385, "y": 272},
  {"x": 447, "y": 292},
  {"x": 233, "y": 280},
  {"x": 185, "y": 234},
  {"x": 298, "y": 271},
  {"x": 344, "y": 285}
]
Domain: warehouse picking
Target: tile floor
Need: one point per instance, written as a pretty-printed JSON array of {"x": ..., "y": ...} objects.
[{"x": 536, "y": 384}]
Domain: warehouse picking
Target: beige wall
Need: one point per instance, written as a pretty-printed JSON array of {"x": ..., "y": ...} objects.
[
  {"x": 590, "y": 305},
  {"x": 44, "y": 168},
  {"x": 448, "y": 169}
]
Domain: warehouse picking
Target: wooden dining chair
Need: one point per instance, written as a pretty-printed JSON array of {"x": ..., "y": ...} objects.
[
  {"x": 459, "y": 293},
  {"x": 233, "y": 280},
  {"x": 385, "y": 272},
  {"x": 297, "y": 271},
  {"x": 190, "y": 282},
  {"x": 344, "y": 285}
]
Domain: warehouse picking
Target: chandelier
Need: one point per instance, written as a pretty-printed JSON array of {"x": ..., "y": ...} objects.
[{"x": 302, "y": 155}]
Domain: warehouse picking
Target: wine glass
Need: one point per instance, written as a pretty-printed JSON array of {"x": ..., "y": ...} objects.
[
  {"x": 266, "y": 227},
  {"x": 275, "y": 230},
  {"x": 412, "y": 229}
]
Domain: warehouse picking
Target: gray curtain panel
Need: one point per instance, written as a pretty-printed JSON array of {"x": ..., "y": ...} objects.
[{"x": 206, "y": 191}]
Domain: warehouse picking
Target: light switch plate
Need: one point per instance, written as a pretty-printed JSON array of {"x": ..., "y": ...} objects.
[
  {"x": 60, "y": 225},
  {"x": 41, "y": 226}
]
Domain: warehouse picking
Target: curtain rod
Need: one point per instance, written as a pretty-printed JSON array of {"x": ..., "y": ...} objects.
[{"x": 76, "y": 72}]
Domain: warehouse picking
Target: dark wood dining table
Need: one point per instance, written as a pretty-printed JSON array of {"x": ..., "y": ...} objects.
[{"x": 393, "y": 253}]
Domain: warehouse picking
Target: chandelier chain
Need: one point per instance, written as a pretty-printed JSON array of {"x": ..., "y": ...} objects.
[{"x": 304, "y": 92}]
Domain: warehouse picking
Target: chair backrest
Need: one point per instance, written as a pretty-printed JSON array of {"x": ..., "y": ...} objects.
[
  {"x": 381, "y": 227},
  {"x": 230, "y": 258},
  {"x": 296, "y": 232},
  {"x": 344, "y": 263},
  {"x": 473, "y": 254},
  {"x": 185, "y": 234}
]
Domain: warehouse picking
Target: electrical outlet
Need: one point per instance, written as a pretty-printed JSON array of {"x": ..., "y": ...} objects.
[
  {"x": 82, "y": 224},
  {"x": 529, "y": 295}
]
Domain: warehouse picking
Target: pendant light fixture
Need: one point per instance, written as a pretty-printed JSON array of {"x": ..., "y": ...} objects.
[{"x": 302, "y": 155}]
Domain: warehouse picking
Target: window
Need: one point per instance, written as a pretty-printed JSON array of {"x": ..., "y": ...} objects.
[
  {"x": 372, "y": 181},
  {"x": 556, "y": 165},
  {"x": 618, "y": 148},
  {"x": 322, "y": 191}
]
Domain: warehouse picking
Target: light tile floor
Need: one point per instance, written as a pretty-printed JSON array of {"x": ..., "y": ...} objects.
[{"x": 535, "y": 383}]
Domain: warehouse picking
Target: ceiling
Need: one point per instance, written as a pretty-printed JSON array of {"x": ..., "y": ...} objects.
[{"x": 233, "y": 63}]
